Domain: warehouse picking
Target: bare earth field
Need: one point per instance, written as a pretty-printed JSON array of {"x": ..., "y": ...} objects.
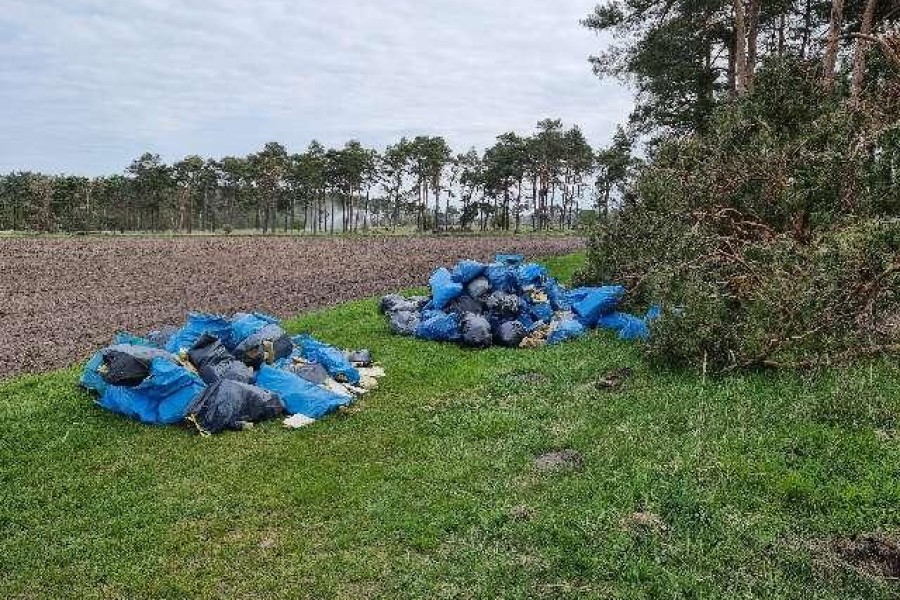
[{"x": 61, "y": 298}]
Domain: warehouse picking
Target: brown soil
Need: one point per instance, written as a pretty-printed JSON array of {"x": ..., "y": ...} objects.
[
  {"x": 61, "y": 298},
  {"x": 873, "y": 554}
]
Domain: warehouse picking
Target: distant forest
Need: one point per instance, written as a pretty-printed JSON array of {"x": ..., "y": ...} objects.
[
  {"x": 541, "y": 181},
  {"x": 793, "y": 101}
]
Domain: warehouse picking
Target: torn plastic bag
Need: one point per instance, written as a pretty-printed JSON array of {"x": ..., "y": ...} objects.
[
  {"x": 328, "y": 356},
  {"x": 125, "y": 337},
  {"x": 478, "y": 287},
  {"x": 404, "y": 322},
  {"x": 467, "y": 270},
  {"x": 465, "y": 304},
  {"x": 225, "y": 404},
  {"x": 565, "y": 330},
  {"x": 502, "y": 303},
  {"x": 442, "y": 327},
  {"x": 476, "y": 331},
  {"x": 197, "y": 324},
  {"x": 160, "y": 337},
  {"x": 213, "y": 361},
  {"x": 243, "y": 325},
  {"x": 629, "y": 327},
  {"x": 268, "y": 344},
  {"x": 299, "y": 395},
  {"x": 162, "y": 398},
  {"x": 313, "y": 372},
  {"x": 502, "y": 278},
  {"x": 96, "y": 375},
  {"x": 530, "y": 274},
  {"x": 360, "y": 358},
  {"x": 443, "y": 288},
  {"x": 596, "y": 302},
  {"x": 509, "y": 333}
]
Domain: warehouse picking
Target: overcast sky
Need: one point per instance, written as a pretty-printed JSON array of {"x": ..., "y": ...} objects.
[{"x": 87, "y": 85}]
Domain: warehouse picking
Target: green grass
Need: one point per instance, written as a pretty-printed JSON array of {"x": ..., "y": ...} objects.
[{"x": 412, "y": 492}]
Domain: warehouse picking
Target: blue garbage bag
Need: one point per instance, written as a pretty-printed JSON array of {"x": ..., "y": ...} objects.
[
  {"x": 125, "y": 337},
  {"x": 595, "y": 302},
  {"x": 91, "y": 378},
  {"x": 502, "y": 278},
  {"x": 197, "y": 324},
  {"x": 299, "y": 395},
  {"x": 443, "y": 288},
  {"x": 556, "y": 295},
  {"x": 467, "y": 270},
  {"x": 510, "y": 260},
  {"x": 442, "y": 327},
  {"x": 524, "y": 317},
  {"x": 328, "y": 356},
  {"x": 542, "y": 311},
  {"x": 530, "y": 274},
  {"x": 653, "y": 313},
  {"x": 628, "y": 326},
  {"x": 243, "y": 325},
  {"x": 162, "y": 398},
  {"x": 565, "y": 330}
]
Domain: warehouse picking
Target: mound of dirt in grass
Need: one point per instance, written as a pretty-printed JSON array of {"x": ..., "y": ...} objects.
[
  {"x": 63, "y": 297},
  {"x": 873, "y": 554}
]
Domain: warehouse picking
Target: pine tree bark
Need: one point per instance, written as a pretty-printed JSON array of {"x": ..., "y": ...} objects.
[
  {"x": 859, "y": 53},
  {"x": 740, "y": 49},
  {"x": 752, "y": 37},
  {"x": 834, "y": 33}
]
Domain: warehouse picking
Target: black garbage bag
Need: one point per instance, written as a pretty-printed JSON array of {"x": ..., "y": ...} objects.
[
  {"x": 128, "y": 365},
  {"x": 214, "y": 361},
  {"x": 476, "y": 331},
  {"x": 313, "y": 372},
  {"x": 478, "y": 287},
  {"x": 509, "y": 333},
  {"x": 465, "y": 304},
  {"x": 395, "y": 302},
  {"x": 225, "y": 404},
  {"x": 405, "y": 322},
  {"x": 501, "y": 303},
  {"x": 389, "y": 303},
  {"x": 252, "y": 350},
  {"x": 360, "y": 358}
]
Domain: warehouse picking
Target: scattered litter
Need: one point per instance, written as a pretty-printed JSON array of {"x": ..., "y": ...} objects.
[
  {"x": 509, "y": 303},
  {"x": 297, "y": 421},
  {"x": 223, "y": 373}
]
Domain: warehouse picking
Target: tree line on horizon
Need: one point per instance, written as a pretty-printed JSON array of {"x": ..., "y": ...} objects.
[{"x": 540, "y": 181}]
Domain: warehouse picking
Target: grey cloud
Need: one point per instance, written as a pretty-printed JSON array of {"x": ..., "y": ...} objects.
[{"x": 86, "y": 85}]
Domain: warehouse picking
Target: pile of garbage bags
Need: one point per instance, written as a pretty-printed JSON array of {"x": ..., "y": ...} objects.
[
  {"x": 510, "y": 303},
  {"x": 222, "y": 373}
]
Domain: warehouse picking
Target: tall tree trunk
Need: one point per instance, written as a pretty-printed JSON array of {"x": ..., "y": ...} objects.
[
  {"x": 831, "y": 48},
  {"x": 859, "y": 53},
  {"x": 781, "y": 24},
  {"x": 752, "y": 38},
  {"x": 741, "y": 84}
]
